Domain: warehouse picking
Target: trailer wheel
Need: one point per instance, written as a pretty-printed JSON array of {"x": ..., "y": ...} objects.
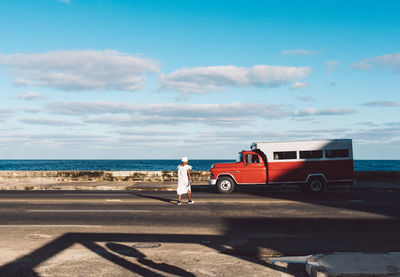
[
  {"x": 316, "y": 185},
  {"x": 225, "y": 184}
]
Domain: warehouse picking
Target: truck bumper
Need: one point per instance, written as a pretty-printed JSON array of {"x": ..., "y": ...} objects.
[{"x": 212, "y": 182}]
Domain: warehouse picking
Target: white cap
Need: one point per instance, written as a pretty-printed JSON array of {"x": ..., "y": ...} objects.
[{"x": 185, "y": 159}]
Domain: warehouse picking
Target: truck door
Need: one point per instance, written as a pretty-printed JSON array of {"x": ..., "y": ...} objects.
[{"x": 254, "y": 170}]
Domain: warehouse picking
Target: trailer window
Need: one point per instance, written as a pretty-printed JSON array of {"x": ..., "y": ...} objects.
[
  {"x": 337, "y": 153},
  {"x": 287, "y": 155},
  {"x": 311, "y": 154}
]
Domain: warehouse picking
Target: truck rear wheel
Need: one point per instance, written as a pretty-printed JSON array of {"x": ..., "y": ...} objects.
[
  {"x": 316, "y": 185},
  {"x": 225, "y": 184}
]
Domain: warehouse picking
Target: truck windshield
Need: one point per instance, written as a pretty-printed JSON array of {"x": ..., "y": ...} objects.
[{"x": 239, "y": 158}]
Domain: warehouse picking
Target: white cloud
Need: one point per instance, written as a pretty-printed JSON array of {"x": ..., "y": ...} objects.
[
  {"x": 361, "y": 65},
  {"x": 393, "y": 124},
  {"x": 169, "y": 113},
  {"x": 383, "y": 104},
  {"x": 300, "y": 52},
  {"x": 4, "y": 114},
  {"x": 5, "y": 111},
  {"x": 150, "y": 133},
  {"x": 331, "y": 66},
  {"x": 217, "y": 78},
  {"x": 378, "y": 134},
  {"x": 80, "y": 69},
  {"x": 32, "y": 95},
  {"x": 32, "y": 110},
  {"x": 66, "y": 137},
  {"x": 297, "y": 85},
  {"x": 172, "y": 120},
  {"x": 316, "y": 112},
  {"x": 306, "y": 98},
  {"x": 48, "y": 122},
  {"x": 390, "y": 61},
  {"x": 174, "y": 113}
]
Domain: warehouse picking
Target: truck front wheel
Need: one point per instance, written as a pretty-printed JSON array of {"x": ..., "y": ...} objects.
[{"x": 225, "y": 184}]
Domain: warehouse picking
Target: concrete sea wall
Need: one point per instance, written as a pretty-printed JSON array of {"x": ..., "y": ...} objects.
[{"x": 198, "y": 177}]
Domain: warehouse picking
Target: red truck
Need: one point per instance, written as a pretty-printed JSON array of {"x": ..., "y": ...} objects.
[{"x": 310, "y": 164}]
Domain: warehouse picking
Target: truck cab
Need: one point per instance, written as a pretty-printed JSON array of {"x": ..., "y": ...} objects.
[{"x": 249, "y": 168}]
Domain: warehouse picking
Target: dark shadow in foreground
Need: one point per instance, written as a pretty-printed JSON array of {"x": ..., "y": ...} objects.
[{"x": 251, "y": 239}]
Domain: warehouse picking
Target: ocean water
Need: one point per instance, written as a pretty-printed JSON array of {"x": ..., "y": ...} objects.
[{"x": 116, "y": 165}]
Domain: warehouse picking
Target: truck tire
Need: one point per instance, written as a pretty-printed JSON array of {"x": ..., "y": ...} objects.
[
  {"x": 315, "y": 185},
  {"x": 225, "y": 184}
]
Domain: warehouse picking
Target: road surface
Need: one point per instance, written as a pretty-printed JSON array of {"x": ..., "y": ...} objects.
[{"x": 67, "y": 233}]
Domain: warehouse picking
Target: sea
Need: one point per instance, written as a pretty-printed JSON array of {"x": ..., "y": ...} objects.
[{"x": 133, "y": 165}]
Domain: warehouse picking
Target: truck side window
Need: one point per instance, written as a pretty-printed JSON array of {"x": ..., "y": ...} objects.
[
  {"x": 248, "y": 158},
  {"x": 287, "y": 155},
  {"x": 252, "y": 159},
  {"x": 255, "y": 159},
  {"x": 337, "y": 153},
  {"x": 311, "y": 154}
]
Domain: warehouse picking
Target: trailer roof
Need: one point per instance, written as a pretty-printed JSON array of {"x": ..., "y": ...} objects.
[
  {"x": 303, "y": 145},
  {"x": 311, "y": 140}
]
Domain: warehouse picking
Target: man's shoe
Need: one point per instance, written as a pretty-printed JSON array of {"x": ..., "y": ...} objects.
[
  {"x": 191, "y": 202},
  {"x": 179, "y": 203}
]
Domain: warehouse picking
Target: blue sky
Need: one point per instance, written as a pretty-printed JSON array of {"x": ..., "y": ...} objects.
[{"x": 163, "y": 79}]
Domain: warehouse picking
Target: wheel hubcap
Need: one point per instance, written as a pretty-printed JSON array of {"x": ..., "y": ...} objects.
[
  {"x": 225, "y": 185},
  {"x": 316, "y": 185}
]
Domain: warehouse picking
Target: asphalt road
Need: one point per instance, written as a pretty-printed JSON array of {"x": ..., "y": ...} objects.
[{"x": 241, "y": 230}]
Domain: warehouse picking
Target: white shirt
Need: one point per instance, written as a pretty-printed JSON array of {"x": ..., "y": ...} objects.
[{"x": 183, "y": 178}]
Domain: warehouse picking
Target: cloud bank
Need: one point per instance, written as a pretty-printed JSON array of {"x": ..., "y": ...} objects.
[
  {"x": 382, "y": 104},
  {"x": 216, "y": 78},
  {"x": 297, "y": 85},
  {"x": 300, "y": 52},
  {"x": 32, "y": 95},
  {"x": 80, "y": 69},
  {"x": 48, "y": 122},
  {"x": 315, "y": 112},
  {"x": 169, "y": 113},
  {"x": 390, "y": 61},
  {"x": 331, "y": 66},
  {"x": 306, "y": 98},
  {"x": 231, "y": 114}
]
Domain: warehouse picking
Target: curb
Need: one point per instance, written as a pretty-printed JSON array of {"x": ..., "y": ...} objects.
[
  {"x": 357, "y": 264},
  {"x": 313, "y": 268}
]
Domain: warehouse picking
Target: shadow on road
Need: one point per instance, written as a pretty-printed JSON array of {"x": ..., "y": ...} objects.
[
  {"x": 251, "y": 239},
  {"x": 167, "y": 200},
  {"x": 374, "y": 202}
]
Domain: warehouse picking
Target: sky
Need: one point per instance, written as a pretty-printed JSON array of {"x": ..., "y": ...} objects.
[{"x": 203, "y": 79}]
